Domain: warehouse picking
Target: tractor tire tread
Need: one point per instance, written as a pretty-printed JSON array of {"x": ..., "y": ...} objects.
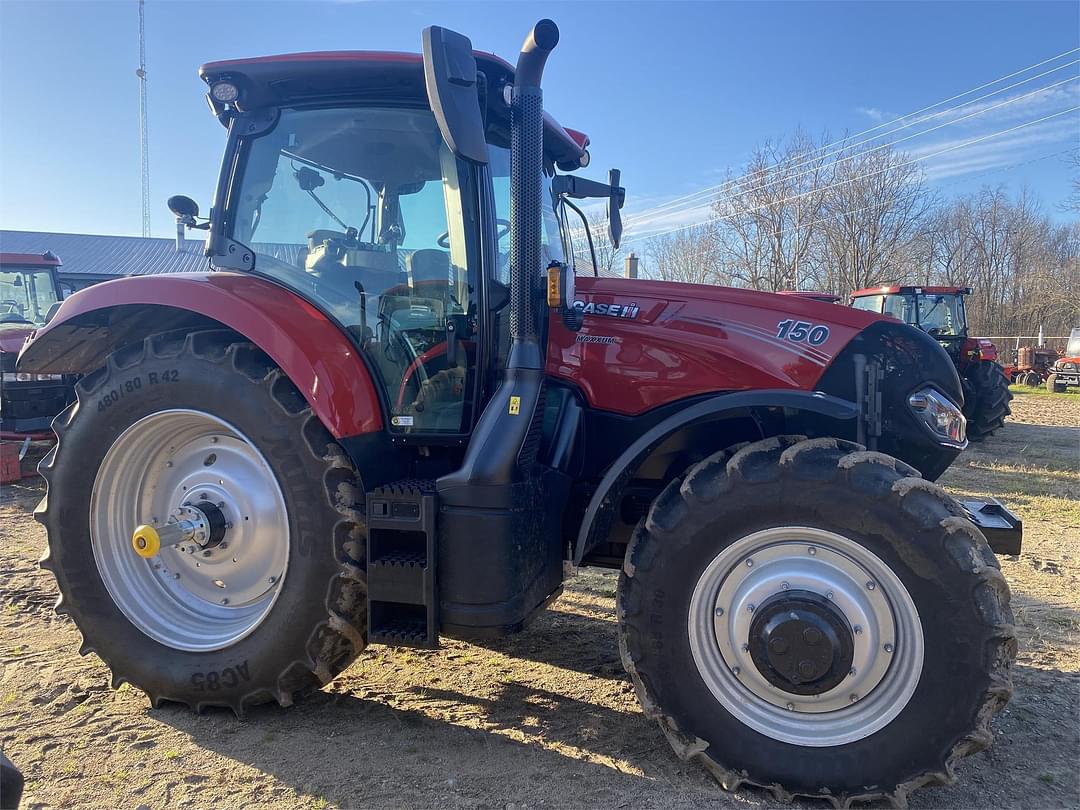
[
  {"x": 992, "y": 398},
  {"x": 796, "y": 457},
  {"x": 342, "y": 636}
]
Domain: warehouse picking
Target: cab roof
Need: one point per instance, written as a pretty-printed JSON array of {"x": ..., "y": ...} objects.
[
  {"x": 46, "y": 259},
  {"x": 911, "y": 289},
  {"x": 281, "y": 79}
]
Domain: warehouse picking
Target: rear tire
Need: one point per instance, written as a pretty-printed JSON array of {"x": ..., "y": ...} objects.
[
  {"x": 885, "y": 515},
  {"x": 309, "y": 620},
  {"x": 988, "y": 406},
  {"x": 1032, "y": 380}
]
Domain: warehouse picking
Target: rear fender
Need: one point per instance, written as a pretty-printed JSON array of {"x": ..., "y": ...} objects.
[
  {"x": 603, "y": 506},
  {"x": 310, "y": 348}
]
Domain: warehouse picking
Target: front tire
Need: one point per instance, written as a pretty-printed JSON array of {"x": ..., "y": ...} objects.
[
  {"x": 988, "y": 403},
  {"x": 275, "y": 604},
  {"x": 924, "y": 643}
]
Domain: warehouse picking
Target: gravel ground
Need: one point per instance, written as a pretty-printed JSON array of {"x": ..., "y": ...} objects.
[{"x": 546, "y": 719}]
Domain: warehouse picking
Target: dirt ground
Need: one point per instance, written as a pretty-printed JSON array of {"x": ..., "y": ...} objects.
[{"x": 546, "y": 719}]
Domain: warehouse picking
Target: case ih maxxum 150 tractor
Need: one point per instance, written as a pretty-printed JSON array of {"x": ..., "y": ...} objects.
[
  {"x": 940, "y": 312},
  {"x": 387, "y": 415}
]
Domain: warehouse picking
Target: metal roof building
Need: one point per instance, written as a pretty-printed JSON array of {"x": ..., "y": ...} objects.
[{"x": 89, "y": 258}]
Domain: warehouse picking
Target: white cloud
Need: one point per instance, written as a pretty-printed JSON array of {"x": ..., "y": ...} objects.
[{"x": 873, "y": 113}]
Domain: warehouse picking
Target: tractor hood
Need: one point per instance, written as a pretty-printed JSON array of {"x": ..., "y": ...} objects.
[
  {"x": 13, "y": 335},
  {"x": 646, "y": 343}
]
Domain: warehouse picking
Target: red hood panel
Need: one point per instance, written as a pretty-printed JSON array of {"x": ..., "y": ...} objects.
[
  {"x": 668, "y": 341},
  {"x": 12, "y": 336}
]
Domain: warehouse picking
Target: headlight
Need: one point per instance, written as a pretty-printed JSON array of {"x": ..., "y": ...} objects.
[{"x": 943, "y": 418}]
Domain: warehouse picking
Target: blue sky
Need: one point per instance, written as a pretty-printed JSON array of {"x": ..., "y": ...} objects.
[{"x": 671, "y": 93}]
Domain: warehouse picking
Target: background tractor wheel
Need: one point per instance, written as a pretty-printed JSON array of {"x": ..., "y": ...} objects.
[
  {"x": 1032, "y": 380},
  {"x": 268, "y": 597},
  {"x": 815, "y": 619},
  {"x": 1053, "y": 386},
  {"x": 988, "y": 404}
]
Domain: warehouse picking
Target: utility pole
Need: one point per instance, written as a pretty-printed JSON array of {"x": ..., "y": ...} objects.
[{"x": 143, "y": 135}]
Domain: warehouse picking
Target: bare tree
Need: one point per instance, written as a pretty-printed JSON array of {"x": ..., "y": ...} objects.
[
  {"x": 691, "y": 255},
  {"x": 872, "y": 215},
  {"x": 768, "y": 216}
]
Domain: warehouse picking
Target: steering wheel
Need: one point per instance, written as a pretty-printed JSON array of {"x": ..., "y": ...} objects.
[{"x": 504, "y": 228}]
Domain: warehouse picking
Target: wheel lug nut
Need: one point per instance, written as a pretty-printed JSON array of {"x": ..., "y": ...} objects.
[
  {"x": 829, "y": 595},
  {"x": 271, "y": 580},
  {"x": 853, "y": 697},
  {"x": 719, "y": 611},
  {"x": 224, "y": 601},
  {"x": 870, "y": 586},
  {"x": 168, "y": 464},
  {"x": 889, "y": 648},
  {"x": 213, "y": 440},
  {"x": 735, "y": 671},
  {"x": 749, "y": 563},
  {"x": 746, "y": 648},
  {"x": 206, "y": 553},
  {"x": 784, "y": 586},
  {"x": 750, "y": 608},
  {"x": 791, "y": 707},
  {"x": 851, "y": 671},
  {"x": 858, "y": 629},
  {"x": 811, "y": 551}
]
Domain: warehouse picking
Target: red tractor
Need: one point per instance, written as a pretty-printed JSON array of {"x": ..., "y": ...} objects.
[
  {"x": 939, "y": 311},
  {"x": 387, "y": 415}
]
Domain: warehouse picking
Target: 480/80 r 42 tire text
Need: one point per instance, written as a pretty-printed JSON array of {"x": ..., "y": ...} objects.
[
  {"x": 815, "y": 619},
  {"x": 272, "y": 601}
]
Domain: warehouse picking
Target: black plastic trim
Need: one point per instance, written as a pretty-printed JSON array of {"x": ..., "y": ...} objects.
[{"x": 602, "y": 506}]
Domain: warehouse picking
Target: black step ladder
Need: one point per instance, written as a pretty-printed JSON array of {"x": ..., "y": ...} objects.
[{"x": 402, "y": 598}]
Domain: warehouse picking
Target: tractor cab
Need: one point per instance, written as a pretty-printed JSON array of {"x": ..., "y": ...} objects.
[
  {"x": 341, "y": 183},
  {"x": 29, "y": 293},
  {"x": 938, "y": 311}
]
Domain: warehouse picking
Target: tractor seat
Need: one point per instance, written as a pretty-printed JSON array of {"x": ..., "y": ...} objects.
[{"x": 429, "y": 273}]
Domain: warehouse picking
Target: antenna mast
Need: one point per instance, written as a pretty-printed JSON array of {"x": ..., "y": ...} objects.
[{"x": 143, "y": 136}]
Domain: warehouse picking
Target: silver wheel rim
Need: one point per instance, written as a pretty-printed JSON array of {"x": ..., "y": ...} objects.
[
  {"x": 886, "y": 630},
  {"x": 186, "y": 597}
]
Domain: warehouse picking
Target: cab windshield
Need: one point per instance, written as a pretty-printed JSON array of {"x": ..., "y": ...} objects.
[
  {"x": 939, "y": 315},
  {"x": 26, "y": 296}
]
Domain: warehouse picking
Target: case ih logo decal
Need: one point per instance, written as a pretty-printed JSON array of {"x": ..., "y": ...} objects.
[
  {"x": 610, "y": 310},
  {"x": 801, "y": 331}
]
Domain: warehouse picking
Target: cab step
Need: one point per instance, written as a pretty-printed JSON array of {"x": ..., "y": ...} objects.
[{"x": 402, "y": 598}]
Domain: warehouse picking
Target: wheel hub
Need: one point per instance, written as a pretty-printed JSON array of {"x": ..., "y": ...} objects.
[
  {"x": 805, "y": 636},
  {"x": 210, "y": 545},
  {"x": 801, "y": 643}
]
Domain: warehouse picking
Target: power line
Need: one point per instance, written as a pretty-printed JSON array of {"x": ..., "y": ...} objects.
[
  {"x": 677, "y": 202},
  {"x": 963, "y": 145},
  {"x": 788, "y": 177}
]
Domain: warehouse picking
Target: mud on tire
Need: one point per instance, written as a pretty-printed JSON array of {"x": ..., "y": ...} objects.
[
  {"x": 317, "y": 624},
  {"x": 940, "y": 558},
  {"x": 988, "y": 403}
]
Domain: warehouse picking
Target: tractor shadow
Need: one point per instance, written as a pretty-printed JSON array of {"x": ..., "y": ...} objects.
[{"x": 442, "y": 734}]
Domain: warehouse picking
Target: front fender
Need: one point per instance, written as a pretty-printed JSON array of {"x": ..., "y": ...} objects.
[
  {"x": 310, "y": 348},
  {"x": 604, "y": 502}
]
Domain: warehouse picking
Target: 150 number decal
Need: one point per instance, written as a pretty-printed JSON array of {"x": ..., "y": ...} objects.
[{"x": 802, "y": 332}]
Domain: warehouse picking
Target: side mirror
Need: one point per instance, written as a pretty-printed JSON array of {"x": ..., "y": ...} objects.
[
  {"x": 183, "y": 208},
  {"x": 451, "y": 79},
  {"x": 615, "y": 202}
]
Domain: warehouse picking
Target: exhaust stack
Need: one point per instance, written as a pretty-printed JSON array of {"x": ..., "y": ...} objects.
[
  {"x": 526, "y": 193},
  {"x": 502, "y": 449}
]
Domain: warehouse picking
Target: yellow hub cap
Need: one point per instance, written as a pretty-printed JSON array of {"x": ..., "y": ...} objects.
[{"x": 146, "y": 541}]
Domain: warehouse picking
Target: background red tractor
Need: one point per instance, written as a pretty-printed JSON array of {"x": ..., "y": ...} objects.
[
  {"x": 1065, "y": 372},
  {"x": 940, "y": 312},
  {"x": 387, "y": 415}
]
